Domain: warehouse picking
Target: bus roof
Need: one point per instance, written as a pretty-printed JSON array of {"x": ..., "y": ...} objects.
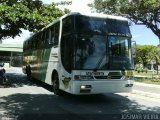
[{"x": 98, "y": 15}]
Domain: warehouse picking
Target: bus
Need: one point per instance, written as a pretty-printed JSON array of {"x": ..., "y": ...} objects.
[{"x": 82, "y": 54}]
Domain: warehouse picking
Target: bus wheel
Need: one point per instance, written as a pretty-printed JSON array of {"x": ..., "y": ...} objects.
[
  {"x": 28, "y": 71},
  {"x": 55, "y": 83}
]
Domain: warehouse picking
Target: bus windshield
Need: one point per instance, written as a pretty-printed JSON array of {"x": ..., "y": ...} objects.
[
  {"x": 102, "y": 53},
  {"x": 93, "y": 25}
]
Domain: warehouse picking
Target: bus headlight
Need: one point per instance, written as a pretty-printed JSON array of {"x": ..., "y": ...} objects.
[
  {"x": 85, "y": 88},
  {"x": 83, "y": 77}
]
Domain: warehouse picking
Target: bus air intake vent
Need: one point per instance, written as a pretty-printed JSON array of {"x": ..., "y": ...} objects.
[
  {"x": 115, "y": 75},
  {"x": 101, "y": 77}
]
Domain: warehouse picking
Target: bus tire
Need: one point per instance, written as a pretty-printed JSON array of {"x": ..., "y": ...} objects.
[
  {"x": 28, "y": 71},
  {"x": 55, "y": 84}
]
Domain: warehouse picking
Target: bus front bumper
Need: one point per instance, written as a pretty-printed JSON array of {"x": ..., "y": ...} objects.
[{"x": 101, "y": 86}]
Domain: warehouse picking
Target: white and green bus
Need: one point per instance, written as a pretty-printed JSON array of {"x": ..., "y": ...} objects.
[{"x": 82, "y": 54}]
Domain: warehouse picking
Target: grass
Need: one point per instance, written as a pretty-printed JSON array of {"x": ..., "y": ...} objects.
[
  {"x": 148, "y": 80},
  {"x": 149, "y": 77},
  {"x": 149, "y": 73}
]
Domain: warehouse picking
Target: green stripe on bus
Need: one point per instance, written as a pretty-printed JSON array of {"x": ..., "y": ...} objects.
[{"x": 45, "y": 54}]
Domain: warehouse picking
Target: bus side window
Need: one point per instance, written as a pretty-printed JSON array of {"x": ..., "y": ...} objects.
[
  {"x": 67, "y": 26},
  {"x": 38, "y": 41},
  {"x": 54, "y": 31},
  {"x": 42, "y": 39},
  {"x": 33, "y": 42},
  {"x": 52, "y": 36},
  {"x": 29, "y": 44},
  {"x": 24, "y": 46},
  {"x": 47, "y": 38},
  {"x": 56, "y": 34}
]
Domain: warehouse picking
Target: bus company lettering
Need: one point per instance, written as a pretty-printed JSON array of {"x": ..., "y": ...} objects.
[
  {"x": 95, "y": 73},
  {"x": 140, "y": 117}
]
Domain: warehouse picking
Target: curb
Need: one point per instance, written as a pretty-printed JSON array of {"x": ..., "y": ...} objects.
[{"x": 147, "y": 76}]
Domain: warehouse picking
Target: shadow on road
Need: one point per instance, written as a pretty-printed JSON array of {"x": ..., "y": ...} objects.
[
  {"x": 69, "y": 107},
  {"x": 92, "y": 107},
  {"x": 16, "y": 80}
]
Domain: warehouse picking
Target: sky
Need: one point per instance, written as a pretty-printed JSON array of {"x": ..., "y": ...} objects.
[{"x": 141, "y": 34}]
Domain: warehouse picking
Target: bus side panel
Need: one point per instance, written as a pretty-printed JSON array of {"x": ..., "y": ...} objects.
[
  {"x": 45, "y": 54},
  {"x": 27, "y": 59},
  {"x": 52, "y": 65},
  {"x": 39, "y": 63},
  {"x": 35, "y": 65}
]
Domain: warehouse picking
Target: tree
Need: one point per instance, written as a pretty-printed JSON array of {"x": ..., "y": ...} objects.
[
  {"x": 143, "y": 54},
  {"x": 30, "y": 15},
  {"x": 155, "y": 55},
  {"x": 146, "y": 12}
]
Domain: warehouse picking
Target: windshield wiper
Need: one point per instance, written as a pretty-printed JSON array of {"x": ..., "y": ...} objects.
[{"x": 99, "y": 61}]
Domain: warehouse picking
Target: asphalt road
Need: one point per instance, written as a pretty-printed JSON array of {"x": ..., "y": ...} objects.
[
  {"x": 147, "y": 88},
  {"x": 30, "y": 100}
]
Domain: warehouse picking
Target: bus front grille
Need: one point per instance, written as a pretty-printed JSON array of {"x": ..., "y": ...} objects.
[{"x": 108, "y": 77}]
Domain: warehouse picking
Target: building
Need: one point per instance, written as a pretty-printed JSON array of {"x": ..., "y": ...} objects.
[{"x": 11, "y": 54}]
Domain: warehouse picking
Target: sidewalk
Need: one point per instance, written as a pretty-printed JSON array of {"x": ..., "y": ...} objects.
[
  {"x": 148, "y": 90},
  {"x": 13, "y": 69}
]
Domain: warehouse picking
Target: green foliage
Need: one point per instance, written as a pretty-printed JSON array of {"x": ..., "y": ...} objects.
[
  {"x": 145, "y": 12},
  {"x": 143, "y": 54},
  {"x": 63, "y": 3},
  {"x": 30, "y": 15},
  {"x": 155, "y": 54},
  {"x": 148, "y": 80}
]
